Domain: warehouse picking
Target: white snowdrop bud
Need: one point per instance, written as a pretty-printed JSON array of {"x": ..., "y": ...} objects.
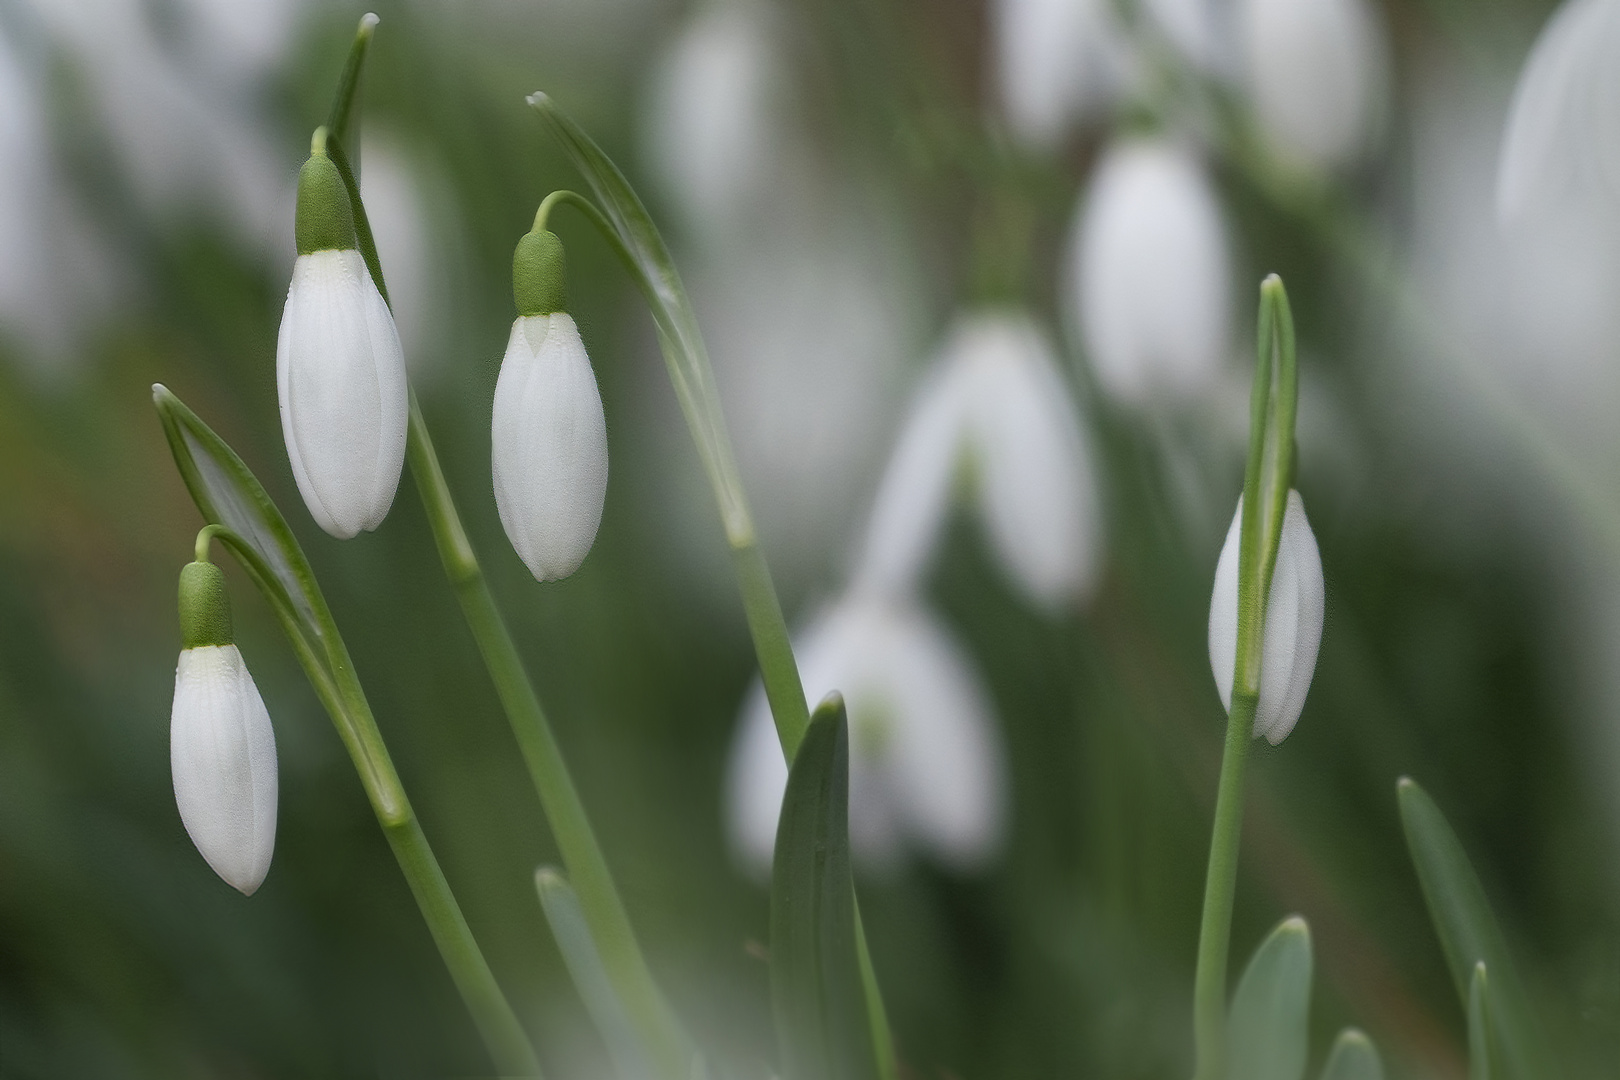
[
  {"x": 1315, "y": 71},
  {"x": 549, "y": 453},
  {"x": 1293, "y": 624},
  {"x": 1563, "y": 130},
  {"x": 1056, "y": 61},
  {"x": 996, "y": 401},
  {"x": 222, "y": 750},
  {"x": 1148, "y": 274},
  {"x": 925, "y": 761},
  {"x": 340, "y": 371}
]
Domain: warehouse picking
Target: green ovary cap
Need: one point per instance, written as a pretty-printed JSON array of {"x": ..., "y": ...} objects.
[
  {"x": 205, "y": 609},
  {"x": 325, "y": 221},
  {"x": 539, "y": 274}
]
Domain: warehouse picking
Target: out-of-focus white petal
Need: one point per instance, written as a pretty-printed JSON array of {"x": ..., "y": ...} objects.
[
  {"x": 711, "y": 119},
  {"x": 222, "y": 753},
  {"x": 1563, "y": 130},
  {"x": 392, "y": 185},
  {"x": 1037, "y": 492},
  {"x": 1293, "y": 629},
  {"x": 340, "y": 374},
  {"x": 1149, "y": 274},
  {"x": 1197, "y": 28},
  {"x": 549, "y": 452},
  {"x": 925, "y": 765},
  {"x": 1056, "y": 61},
  {"x": 1315, "y": 71}
]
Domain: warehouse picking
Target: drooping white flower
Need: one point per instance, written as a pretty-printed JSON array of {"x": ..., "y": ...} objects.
[
  {"x": 995, "y": 400},
  {"x": 1314, "y": 71},
  {"x": 222, "y": 749},
  {"x": 340, "y": 371},
  {"x": 925, "y": 762},
  {"x": 1563, "y": 130},
  {"x": 549, "y": 451},
  {"x": 1055, "y": 62},
  {"x": 1149, "y": 271},
  {"x": 1293, "y": 624}
]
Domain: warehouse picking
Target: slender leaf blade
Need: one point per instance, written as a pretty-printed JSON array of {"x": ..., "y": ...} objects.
[
  {"x": 1354, "y": 1057},
  {"x": 1267, "y": 1035},
  {"x": 816, "y": 985},
  {"x": 1469, "y": 934},
  {"x": 1479, "y": 1025}
]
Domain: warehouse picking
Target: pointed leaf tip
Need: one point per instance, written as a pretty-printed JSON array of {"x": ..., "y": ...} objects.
[
  {"x": 368, "y": 22},
  {"x": 1267, "y": 1025},
  {"x": 1354, "y": 1057}
]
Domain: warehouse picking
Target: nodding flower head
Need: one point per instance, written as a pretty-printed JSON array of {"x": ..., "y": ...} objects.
[
  {"x": 548, "y": 436},
  {"x": 1293, "y": 622},
  {"x": 222, "y": 750},
  {"x": 340, "y": 371}
]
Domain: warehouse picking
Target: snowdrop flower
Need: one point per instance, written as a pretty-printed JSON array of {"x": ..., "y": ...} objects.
[
  {"x": 996, "y": 401},
  {"x": 1293, "y": 625},
  {"x": 1561, "y": 139},
  {"x": 1148, "y": 274},
  {"x": 222, "y": 750},
  {"x": 925, "y": 763},
  {"x": 340, "y": 371},
  {"x": 548, "y": 440},
  {"x": 1055, "y": 62},
  {"x": 1315, "y": 71}
]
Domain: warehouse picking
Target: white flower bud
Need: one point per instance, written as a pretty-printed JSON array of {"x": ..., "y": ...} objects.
[
  {"x": 1293, "y": 624},
  {"x": 340, "y": 373},
  {"x": 1315, "y": 71},
  {"x": 1148, "y": 274},
  {"x": 222, "y": 752},
  {"x": 925, "y": 760},
  {"x": 549, "y": 450},
  {"x": 1562, "y": 141},
  {"x": 1056, "y": 61}
]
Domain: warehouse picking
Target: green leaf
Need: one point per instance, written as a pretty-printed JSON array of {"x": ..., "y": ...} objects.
[
  {"x": 578, "y": 947},
  {"x": 1354, "y": 1057},
  {"x": 344, "y": 118},
  {"x": 1469, "y": 935},
  {"x": 1479, "y": 1025},
  {"x": 1267, "y": 1035},
  {"x": 816, "y": 987}
]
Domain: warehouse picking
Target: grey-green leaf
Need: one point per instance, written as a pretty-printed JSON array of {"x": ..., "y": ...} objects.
[
  {"x": 1469, "y": 934},
  {"x": 1354, "y": 1057},
  {"x": 1267, "y": 1037},
  {"x": 573, "y": 935},
  {"x": 816, "y": 986},
  {"x": 1479, "y": 1025}
]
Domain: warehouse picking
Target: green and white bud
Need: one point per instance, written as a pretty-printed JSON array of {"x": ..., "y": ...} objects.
[
  {"x": 548, "y": 435},
  {"x": 222, "y": 749},
  {"x": 340, "y": 370}
]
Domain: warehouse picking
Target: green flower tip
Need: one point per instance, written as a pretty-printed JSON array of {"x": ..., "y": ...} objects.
[
  {"x": 205, "y": 608},
  {"x": 325, "y": 221},
  {"x": 539, "y": 274}
]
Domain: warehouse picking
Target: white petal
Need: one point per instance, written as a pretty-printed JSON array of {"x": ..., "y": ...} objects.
[
  {"x": 1056, "y": 60},
  {"x": 222, "y": 752},
  {"x": 1294, "y": 616},
  {"x": 1036, "y": 489},
  {"x": 548, "y": 441},
  {"x": 915, "y": 491},
  {"x": 1315, "y": 71},
  {"x": 340, "y": 373},
  {"x": 1563, "y": 131},
  {"x": 1149, "y": 274}
]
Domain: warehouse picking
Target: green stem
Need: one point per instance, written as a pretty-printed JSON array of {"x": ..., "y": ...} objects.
[
  {"x": 587, "y": 866},
  {"x": 1220, "y": 885}
]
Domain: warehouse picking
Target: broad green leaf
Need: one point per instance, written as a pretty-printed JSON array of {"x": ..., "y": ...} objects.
[
  {"x": 816, "y": 987},
  {"x": 1469, "y": 935},
  {"x": 1354, "y": 1057},
  {"x": 578, "y": 947},
  {"x": 1267, "y": 1035},
  {"x": 1479, "y": 1025}
]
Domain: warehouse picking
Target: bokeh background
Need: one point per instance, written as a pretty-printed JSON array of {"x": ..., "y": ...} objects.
[{"x": 845, "y": 186}]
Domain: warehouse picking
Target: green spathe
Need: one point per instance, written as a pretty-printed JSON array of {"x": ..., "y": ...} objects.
[
  {"x": 205, "y": 609},
  {"x": 324, "y": 221},
  {"x": 539, "y": 274}
]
